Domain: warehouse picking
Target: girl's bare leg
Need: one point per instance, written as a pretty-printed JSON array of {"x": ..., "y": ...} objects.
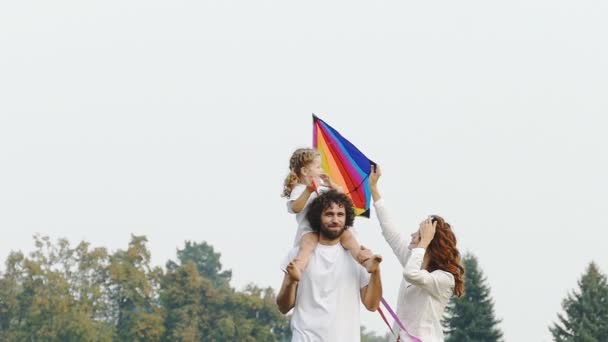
[
  {"x": 370, "y": 262},
  {"x": 308, "y": 243}
]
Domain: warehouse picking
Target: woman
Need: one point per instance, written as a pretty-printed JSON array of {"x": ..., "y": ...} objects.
[{"x": 432, "y": 271}]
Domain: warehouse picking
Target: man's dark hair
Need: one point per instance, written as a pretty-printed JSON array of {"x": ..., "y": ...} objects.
[{"x": 324, "y": 201}]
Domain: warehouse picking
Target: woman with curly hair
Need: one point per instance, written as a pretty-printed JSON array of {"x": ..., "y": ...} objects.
[{"x": 432, "y": 271}]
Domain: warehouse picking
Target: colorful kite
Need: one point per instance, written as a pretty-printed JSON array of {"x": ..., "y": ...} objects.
[
  {"x": 344, "y": 164},
  {"x": 350, "y": 169}
]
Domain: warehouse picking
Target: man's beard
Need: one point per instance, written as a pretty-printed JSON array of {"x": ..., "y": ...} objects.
[{"x": 331, "y": 234}]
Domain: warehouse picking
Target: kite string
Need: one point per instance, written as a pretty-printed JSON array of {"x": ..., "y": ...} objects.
[
  {"x": 358, "y": 185},
  {"x": 398, "y": 321}
]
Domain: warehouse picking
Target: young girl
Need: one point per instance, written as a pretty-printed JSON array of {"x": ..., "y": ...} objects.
[{"x": 303, "y": 183}]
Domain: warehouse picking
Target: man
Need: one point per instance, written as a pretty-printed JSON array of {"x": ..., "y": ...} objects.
[{"x": 326, "y": 296}]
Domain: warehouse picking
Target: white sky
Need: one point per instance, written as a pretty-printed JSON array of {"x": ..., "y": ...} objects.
[{"x": 176, "y": 120}]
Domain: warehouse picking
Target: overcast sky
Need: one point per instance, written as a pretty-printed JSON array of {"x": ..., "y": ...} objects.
[{"x": 176, "y": 120}]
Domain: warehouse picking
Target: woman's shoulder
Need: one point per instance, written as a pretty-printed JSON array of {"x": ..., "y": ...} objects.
[
  {"x": 446, "y": 283},
  {"x": 445, "y": 275}
]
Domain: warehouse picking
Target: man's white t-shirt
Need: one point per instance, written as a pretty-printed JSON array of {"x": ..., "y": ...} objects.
[{"x": 328, "y": 297}]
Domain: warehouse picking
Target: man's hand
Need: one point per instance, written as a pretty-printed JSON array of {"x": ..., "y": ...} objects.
[
  {"x": 369, "y": 260},
  {"x": 286, "y": 299},
  {"x": 372, "y": 293}
]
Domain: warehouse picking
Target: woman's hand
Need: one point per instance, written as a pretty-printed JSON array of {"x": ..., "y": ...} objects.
[
  {"x": 427, "y": 232},
  {"x": 374, "y": 175},
  {"x": 373, "y": 182}
]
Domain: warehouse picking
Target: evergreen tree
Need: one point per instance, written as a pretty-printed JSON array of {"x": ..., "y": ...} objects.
[
  {"x": 471, "y": 317},
  {"x": 586, "y": 310}
]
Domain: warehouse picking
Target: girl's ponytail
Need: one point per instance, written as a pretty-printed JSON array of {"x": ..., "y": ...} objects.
[{"x": 299, "y": 159}]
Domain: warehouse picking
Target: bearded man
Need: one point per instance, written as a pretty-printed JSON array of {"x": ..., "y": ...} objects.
[{"x": 326, "y": 296}]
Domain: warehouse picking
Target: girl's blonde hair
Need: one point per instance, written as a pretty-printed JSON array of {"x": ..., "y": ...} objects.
[{"x": 300, "y": 158}]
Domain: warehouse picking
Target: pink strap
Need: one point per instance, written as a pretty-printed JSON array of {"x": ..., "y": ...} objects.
[
  {"x": 398, "y": 321},
  {"x": 385, "y": 321}
]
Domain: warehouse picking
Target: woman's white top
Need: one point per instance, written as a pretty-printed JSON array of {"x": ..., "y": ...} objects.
[{"x": 423, "y": 296}]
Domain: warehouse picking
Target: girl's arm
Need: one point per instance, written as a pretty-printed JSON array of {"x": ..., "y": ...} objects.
[
  {"x": 300, "y": 201},
  {"x": 330, "y": 184},
  {"x": 396, "y": 241}
]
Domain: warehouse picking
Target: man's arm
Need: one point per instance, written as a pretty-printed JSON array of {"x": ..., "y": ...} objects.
[
  {"x": 372, "y": 293},
  {"x": 286, "y": 299}
]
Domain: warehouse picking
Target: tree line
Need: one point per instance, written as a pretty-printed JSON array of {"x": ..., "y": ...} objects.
[
  {"x": 81, "y": 293},
  {"x": 61, "y": 292}
]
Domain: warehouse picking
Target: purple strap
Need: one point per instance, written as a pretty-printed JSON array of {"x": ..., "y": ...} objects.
[
  {"x": 386, "y": 321},
  {"x": 398, "y": 321}
]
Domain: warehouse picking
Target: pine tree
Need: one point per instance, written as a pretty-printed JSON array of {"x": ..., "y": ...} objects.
[
  {"x": 471, "y": 317},
  {"x": 586, "y": 310}
]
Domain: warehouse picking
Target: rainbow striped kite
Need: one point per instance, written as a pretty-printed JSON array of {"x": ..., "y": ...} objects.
[{"x": 344, "y": 164}]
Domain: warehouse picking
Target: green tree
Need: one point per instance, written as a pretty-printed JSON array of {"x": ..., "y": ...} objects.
[
  {"x": 8, "y": 292},
  {"x": 191, "y": 304},
  {"x": 203, "y": 305},
  {"x": 471, "y": 317},
  {"x": 90, "y": 286},
  {"x": 586, "y": 310},
  {"x": 11, "y": 312},
  {"x": 251, "y": 315},
  {"x": 134, "y": 293},
  {"x": 206, "y": 260},
  {"x": 64, "y": 293},
  {"x": 40, "y": 299},
  {"x": 370, "y": 336}
]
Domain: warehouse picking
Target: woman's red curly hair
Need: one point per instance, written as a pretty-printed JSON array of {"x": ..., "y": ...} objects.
[{"x": 444, "y": 255}]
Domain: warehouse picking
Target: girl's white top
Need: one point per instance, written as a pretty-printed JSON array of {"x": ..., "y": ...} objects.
[
  {"x": 423, "y": 296},
  {"x": 303, "y": 224}
]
